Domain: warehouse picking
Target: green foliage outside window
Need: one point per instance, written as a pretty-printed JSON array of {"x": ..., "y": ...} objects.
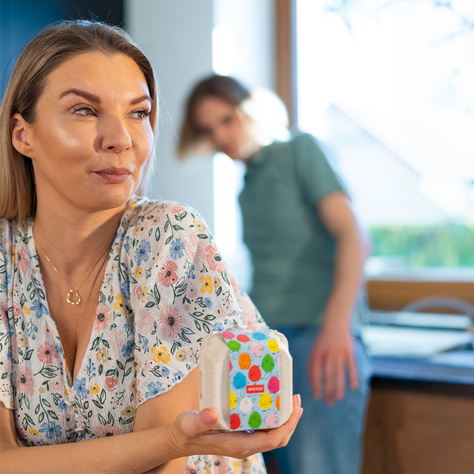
[{"x": 449, "y": 245}]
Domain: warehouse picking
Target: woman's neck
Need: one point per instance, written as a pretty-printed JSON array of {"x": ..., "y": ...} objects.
[{"x": 72, "y": 243}]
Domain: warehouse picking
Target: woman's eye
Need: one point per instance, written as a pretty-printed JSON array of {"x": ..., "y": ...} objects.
[
  {"x": 88, "y": 111},
  {"x": 141, "y": 114}
]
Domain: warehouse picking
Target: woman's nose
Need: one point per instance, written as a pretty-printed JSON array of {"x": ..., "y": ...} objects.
[{"x": 115, "y": 136}]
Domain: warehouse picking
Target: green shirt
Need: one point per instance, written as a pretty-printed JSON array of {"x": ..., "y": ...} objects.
[{"x": 292, "y": 253}]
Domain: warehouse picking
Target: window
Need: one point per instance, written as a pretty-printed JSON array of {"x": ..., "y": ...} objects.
[{"x": 388, "y": 85}]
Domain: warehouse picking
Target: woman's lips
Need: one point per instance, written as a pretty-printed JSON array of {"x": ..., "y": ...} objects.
[{"x": 114, "y": 175}]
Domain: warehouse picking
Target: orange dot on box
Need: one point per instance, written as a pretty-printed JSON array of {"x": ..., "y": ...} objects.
[
  {"x": 243, "y": 338},
  {"x": 244, "y": 361},
  {"x": 255, "y": 374},
  {"x": 234, "y": 421},
  {"x": 277, "y": 402}
]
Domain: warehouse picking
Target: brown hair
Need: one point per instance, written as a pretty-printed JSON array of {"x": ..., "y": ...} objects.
[
  {"x": 225, "y": 88},
  {"x": 44, "y": 53}
]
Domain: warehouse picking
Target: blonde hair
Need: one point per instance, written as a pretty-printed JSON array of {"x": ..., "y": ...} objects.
[
  {"x": 43, "y": 54},
  {"x": 263, "y": 107}
]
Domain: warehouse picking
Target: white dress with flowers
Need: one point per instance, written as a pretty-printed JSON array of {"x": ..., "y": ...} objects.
[{"x": 165, "y": 287}]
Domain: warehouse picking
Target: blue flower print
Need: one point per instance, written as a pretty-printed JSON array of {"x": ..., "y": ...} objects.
[
  {"x": 32, "y": 330},
  {"x": 142, "y": 253},
  {"x": 127, "y": 349},
  {"x": 126, "y": 288},
  {"x": 154, "y": 389},
  {"x": 80, "y": 387},
  {"x": 62, "y": 405},
  {"x": 176, "y": 250},
  {"x": 90, "y": 369},
  {"x": 165, "y": 371},
  {"x": 218, "y": 326},
  {"x": 39, "y": 308},
  {"x": 208, "y": 302},
  {"x": 51, "y": 430},
  {"x": 178, "y": 376}
]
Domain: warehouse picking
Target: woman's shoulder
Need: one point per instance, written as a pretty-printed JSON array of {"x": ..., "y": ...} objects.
[{"x": 11, "y": 232}]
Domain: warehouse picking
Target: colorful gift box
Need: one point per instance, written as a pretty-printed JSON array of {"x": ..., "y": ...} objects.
[{"x": 246, "y": 376}]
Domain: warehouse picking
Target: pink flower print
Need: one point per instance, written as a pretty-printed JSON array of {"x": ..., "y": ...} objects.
[
  {"x": 46, "y": 353},
  {"x": 214, "y": 259},
  {"x": 16, "y": 309},
  {"x": 220, "y": 465},
  {"x": 177, "y": 209},
  {"x": 107, "y": 430},
  {"x": 171, "y": 321},
  {"x": 103, "y": 318},
  {"x": 111, "y": 383},
  {"x": 23, "y": 259},
  {"x": 144, "y": 320},
  {"x": 138, "y": 291},
  {"x": 167, "y": 273},
  {"x": 26, "y": 383}
]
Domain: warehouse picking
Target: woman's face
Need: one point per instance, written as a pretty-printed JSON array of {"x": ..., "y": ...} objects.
[
  {"x": 225, "y": 127},
  {"x": 92, "y": 136}
]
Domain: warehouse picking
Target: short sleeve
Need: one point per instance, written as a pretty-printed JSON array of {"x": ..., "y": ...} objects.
[
  {"x": 180, "y": 291},
  {"x": 314, "y": 172}
]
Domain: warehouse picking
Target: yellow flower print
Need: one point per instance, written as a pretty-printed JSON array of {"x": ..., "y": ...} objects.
[
  {"x": 138, "y": 364},
  {"x": 128, "y": 411},
  {"x": 235, "y": 465},
  {"x": 200, "y": 226},
  {"x": 119, "y": 304},
  {"x": 139, "y": 272},
  {"x": 21, "y": 339},
  {"x": 26, "y": 309},
  {"x": 181, "y": 355},
  {"x": 161, "y": 355},
  {"x": 12, "y": 254},
  {"x": 33, "y": 432},
  {"x": 94, "y": 389},
  {"x": 206, "y": 284},
  {"x": 216, "y": 282},
  {"x": 41, "y": 389},
  {"x": 102, "y": 354}
]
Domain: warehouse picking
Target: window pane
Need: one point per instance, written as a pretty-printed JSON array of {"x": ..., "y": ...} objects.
[{"x": 388, "y": 84}]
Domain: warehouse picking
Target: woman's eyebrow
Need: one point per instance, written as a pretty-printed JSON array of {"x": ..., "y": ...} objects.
[
  {"x": 96, "y": 99},
  {"x": 86, "y": 95},
  {"x": 141, "y": 99}
]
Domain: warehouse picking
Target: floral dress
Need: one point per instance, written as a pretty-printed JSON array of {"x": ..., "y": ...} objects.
[{"x": 165, "y": 287}]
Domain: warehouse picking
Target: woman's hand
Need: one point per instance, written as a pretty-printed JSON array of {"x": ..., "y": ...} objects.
[
  {"x": 192, "y": 434},
  {"x": 332, "y": 356}
]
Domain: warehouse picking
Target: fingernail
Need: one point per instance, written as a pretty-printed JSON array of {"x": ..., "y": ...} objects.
[{"x": 298, "y": 400}]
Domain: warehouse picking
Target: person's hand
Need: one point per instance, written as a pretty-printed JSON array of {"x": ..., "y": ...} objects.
[
  {"x": 192, "y": 434},
  {"x": 331, "y": 357}
]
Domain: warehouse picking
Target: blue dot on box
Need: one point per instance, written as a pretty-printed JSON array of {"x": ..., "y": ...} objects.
[
  {"x": 239, "y": 380},
  {"x": 259, "y": 336}
]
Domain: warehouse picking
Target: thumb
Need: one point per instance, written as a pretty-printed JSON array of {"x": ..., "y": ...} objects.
[{"x": 193, "y": 423}]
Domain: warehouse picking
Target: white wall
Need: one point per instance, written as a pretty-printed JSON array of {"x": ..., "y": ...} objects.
[{"x": 177, "y": 36}]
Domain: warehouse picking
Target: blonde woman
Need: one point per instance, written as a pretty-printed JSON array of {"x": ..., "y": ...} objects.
[{"x": 101, "y": 302}]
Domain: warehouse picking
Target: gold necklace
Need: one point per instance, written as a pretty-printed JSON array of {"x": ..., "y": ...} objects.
[{"x": 73, "y": 297}]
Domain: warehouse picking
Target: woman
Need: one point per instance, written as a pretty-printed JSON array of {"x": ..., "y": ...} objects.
[
  {"x": 104, "y": 297},
  {"x": 308, "y": 253}
]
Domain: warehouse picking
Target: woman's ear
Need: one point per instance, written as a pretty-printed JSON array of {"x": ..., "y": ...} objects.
[{"x": 21, "y": 134}]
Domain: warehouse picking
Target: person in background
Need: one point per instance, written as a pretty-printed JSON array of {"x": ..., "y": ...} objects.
[
  {"x": 102, "y": 304},
  {"x": 308, "y": 255}
]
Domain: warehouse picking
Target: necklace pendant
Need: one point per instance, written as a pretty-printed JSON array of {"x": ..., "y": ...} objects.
[{"x": 73, "y": 296}]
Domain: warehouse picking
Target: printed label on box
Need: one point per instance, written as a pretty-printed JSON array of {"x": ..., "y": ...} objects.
[{"x": 254, "y": 375}]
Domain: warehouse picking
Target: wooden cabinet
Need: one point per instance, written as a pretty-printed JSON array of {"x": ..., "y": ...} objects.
[{"x": 419, "y": 428}]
